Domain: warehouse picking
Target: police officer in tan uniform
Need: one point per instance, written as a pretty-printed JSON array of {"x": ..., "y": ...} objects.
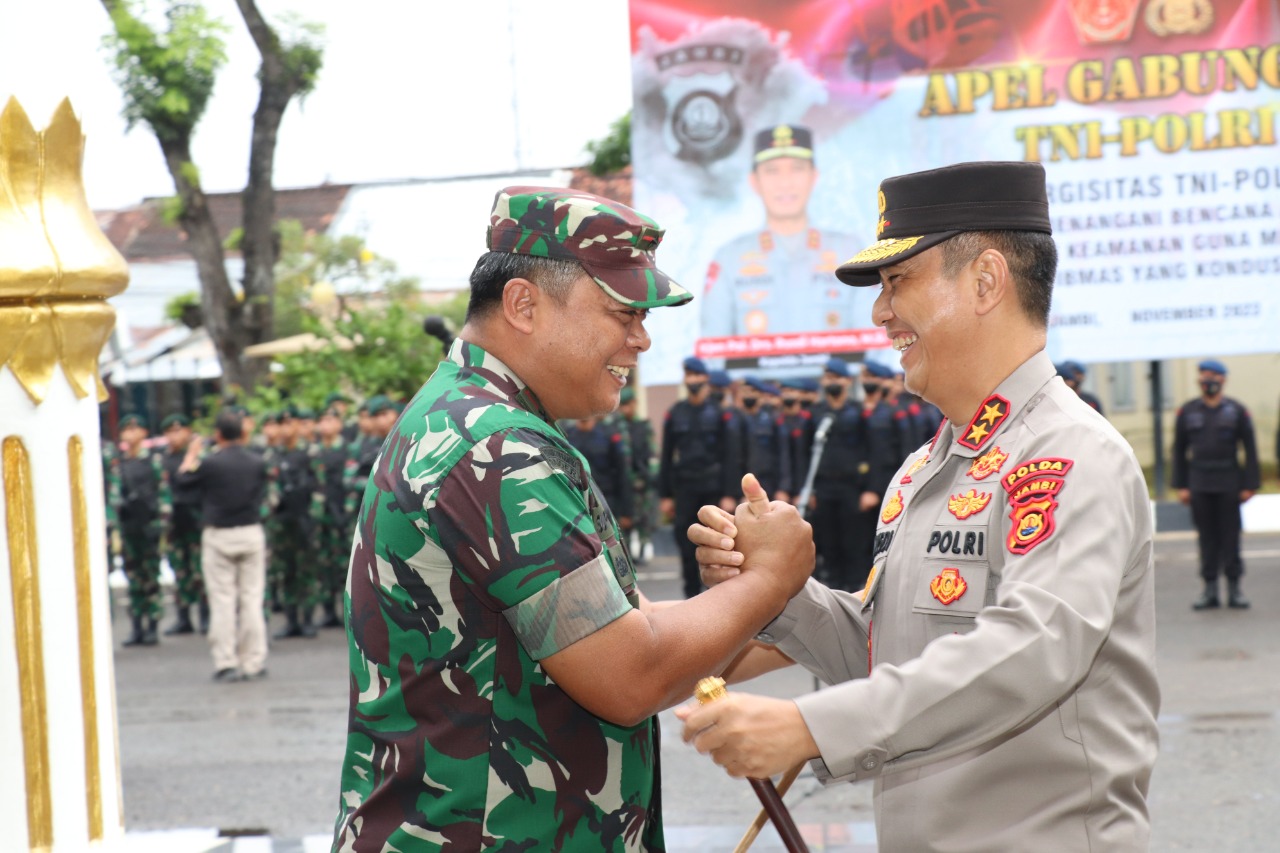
[
  {"x": 778, "y": 279},
  {"x": 996, "y": 676}
]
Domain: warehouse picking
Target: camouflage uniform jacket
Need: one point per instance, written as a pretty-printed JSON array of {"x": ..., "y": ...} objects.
[{"x": 476, "y": 556}]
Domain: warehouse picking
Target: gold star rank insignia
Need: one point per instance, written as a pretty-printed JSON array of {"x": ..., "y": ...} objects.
[{"x": 985, "y": 422}]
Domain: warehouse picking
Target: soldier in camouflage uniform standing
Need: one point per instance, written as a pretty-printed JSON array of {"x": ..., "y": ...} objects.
[
  {"x": 505, "y": 669},
  {"x": 182, "y": 536},
  {"x": 644, "y": 474},
  {"x": 141, "y": 493},
  {"x": 333, "y": 531},
  {"x": 292, "y": 557}
]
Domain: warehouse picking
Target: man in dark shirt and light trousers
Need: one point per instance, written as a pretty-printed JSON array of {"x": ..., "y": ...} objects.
[{"x": 231, "y": 483}]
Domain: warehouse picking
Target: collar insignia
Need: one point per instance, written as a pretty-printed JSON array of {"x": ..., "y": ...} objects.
[
  {"x": 915, "y": 466},
  {"x": 985, "y": 422}
]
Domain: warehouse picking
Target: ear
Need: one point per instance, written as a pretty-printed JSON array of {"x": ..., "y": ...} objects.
[
  {"x": 993, "y": 282},
  {"x": 519, "y": 300}
]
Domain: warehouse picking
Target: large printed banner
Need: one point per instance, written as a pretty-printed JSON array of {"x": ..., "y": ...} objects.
[{"x": 761, "y": 131}]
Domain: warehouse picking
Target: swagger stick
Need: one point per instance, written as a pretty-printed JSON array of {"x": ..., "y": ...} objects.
[
  {"x": 749, "y": 837},
  {"x": 711, "y": 689}
]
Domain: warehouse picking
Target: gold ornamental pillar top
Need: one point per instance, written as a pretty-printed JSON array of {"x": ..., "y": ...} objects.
[{"x": 57, "y": 268}]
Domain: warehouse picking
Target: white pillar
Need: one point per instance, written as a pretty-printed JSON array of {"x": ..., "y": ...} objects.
[{"x": 61, "y": 773}]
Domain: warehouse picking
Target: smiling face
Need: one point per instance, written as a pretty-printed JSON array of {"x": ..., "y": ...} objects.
[
  {"x": 932, "y": 322},
  {"x": 587, "y": 348}
]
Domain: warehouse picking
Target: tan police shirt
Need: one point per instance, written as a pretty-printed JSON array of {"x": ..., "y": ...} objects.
[{"x": 1009, "y": 629}]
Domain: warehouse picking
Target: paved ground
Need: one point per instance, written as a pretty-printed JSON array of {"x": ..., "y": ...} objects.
[{"x": 254, "y": 766}]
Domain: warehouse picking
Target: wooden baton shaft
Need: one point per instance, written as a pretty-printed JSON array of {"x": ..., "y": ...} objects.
[
  {"x": 710, "y": 689},
  {"x": 749, "y": 837}
]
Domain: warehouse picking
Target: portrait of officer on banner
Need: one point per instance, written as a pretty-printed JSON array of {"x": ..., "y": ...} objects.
[{"x": 779, "y": 279}]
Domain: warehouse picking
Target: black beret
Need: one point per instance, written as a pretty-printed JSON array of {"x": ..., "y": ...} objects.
[{"x": 921, "y": 210}]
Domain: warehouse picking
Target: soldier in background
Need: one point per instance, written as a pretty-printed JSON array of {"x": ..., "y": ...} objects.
[
  {"x": 141, "y": 487},
  {"x": 797, "y": 421},
  {"x": 779, "y": 280},
  {"x": 341, "y": 404},
  {"x": 304, "y": 421},
  {"x": 644, "y": 473},
  {"x": 292, "y": 557},
  {"x": 840, "y": 480},
  {"x": 768, "y": 448},
  {"x": 182, "y": 535},
  {"x": 333, "y": 523},
  {"x": 885, "y": 435},
  {"x": 701, "y": 464},
  {"x": 603, "y": 442},
  {"x": 1209, "y": 434}
]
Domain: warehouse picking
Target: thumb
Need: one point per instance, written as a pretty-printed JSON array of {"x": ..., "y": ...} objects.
[{"x": 757, "y": 498}]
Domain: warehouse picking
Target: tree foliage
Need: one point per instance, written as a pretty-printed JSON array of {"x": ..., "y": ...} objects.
[
  {"x": 612, "y": 152},
  {"x": 167, "y": 77}
]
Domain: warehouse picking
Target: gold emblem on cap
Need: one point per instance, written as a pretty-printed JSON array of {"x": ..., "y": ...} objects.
[
  {"x": 882, "y": 204},
  {"x": 882, "y": 249},
  {"x": 783, "y": 136}
]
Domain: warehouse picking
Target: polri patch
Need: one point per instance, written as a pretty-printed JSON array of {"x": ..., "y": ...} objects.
[
  {"x": 986, "y": 421},
  {"x": 1033, "y": 488}
]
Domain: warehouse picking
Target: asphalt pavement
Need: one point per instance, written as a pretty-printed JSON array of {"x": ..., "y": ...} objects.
[{"x": 254, "y": 766}]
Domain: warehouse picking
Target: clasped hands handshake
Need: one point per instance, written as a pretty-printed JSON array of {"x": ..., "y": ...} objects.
[{"x": 752, "y": 736}]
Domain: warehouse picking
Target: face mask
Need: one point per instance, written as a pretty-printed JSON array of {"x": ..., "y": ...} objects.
[
  {"x": 806, "y": 404},
  {"x": 1211, "y": 387},
  {"x": 717, "y": 397},
  {"x": 790, "y": 404},
  {"x": 833, "y": 390},
  {"x": 695, "y": 388},
  {"x": 750, "y": 402},
  {"x": 870, "y": 388}
]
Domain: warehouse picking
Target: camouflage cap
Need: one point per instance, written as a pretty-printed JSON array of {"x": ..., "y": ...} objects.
[{"x": 614, "y": 243}]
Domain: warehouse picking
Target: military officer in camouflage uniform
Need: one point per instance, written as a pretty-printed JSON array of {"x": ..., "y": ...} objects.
[
  {"x": 333, "y": 511},
  {"x": 182, "y": 536},
  {"x": 505, "y": 668},
  {"x": 779, "y": 280},
  {"x": 996, "y": 676},
  {"x": 142, "y": 498},
  {"x": 292, "y": 548}
]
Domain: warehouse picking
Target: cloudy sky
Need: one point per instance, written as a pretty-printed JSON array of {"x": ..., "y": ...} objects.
[{"x": 410, "y": 89}]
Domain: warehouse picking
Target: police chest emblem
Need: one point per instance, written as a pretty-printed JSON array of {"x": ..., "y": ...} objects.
[
  {"x": 971, "y": 503},
  {"x": 1033, "y": 488},
  {"x": 948, "y": 586},
  {"x": 892, "y": 508},
  {"x": 915, "y": 466},
  {"x": 988, "y": 463},
  {"x": 985, "y": 422}
]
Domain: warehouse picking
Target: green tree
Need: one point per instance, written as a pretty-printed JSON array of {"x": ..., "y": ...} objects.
[
  {"x": 167, "y": 77},
  {"x": 612, "y": 152}
]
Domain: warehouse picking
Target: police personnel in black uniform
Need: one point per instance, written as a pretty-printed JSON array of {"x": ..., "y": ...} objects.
[
  {"x": 798, "y": 422},
  {"x": 885, "y": 435},
  {"x": 1208, "y": 435},
  {"x": 840, "y": 480},
  {"x": 701, "y": 464},
  {"x": 606, "y": 448},
  {"x": 768, "y": 445}
]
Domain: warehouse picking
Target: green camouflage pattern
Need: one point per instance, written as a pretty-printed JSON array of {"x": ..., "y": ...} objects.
[
  {"x": 290, "y": 534},
  {"x": 332, "y": 512},
  {"x": 612, "y": 242},
  {"x": 140, "y": 493},
  {"x": 182, "y": 535},
  {"x": 477, "y": 554}
]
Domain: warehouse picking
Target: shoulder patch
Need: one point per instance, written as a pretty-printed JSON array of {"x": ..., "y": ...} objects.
[{"x": 1033, "y": 487}]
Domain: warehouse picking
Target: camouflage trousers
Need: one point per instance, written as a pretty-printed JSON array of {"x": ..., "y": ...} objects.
[
  {"x": 140, "y": 550},
  {"x": 293, "y": 569},
  {"x": 183, "y": 551},
  {"x": 333, "y": 548}
]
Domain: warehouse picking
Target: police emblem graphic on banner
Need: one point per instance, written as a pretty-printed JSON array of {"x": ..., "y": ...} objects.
[{"x": 703, "y": 123}]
